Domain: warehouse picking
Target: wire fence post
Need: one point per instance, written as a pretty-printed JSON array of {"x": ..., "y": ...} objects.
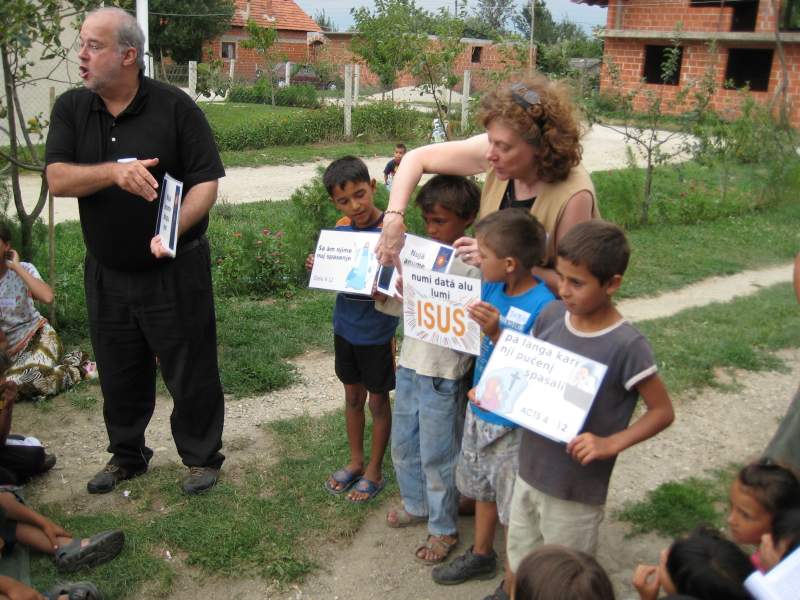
[
  {"x": 465, "y": 101},
  {"x": 348, "y": 100},
  {"x": 356, "y": 83},
  {"x": 193, "y": 78}
]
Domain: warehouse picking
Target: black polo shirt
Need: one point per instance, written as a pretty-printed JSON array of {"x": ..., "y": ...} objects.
[{"x": 160, "y": 122}]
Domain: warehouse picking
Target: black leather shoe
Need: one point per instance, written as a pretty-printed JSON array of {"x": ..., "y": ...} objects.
[
  {"x": 465, "y": 567},
  {"x": 107, "y": 479},
  {"x": 200, "y": 479}
]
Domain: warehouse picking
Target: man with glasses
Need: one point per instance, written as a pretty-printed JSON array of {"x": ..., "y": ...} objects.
[{"x": 110, "y": 144}]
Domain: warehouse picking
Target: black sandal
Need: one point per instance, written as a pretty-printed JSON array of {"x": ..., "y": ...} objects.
[
  {"x": 102, "y": 547},
  {"x": 82, "y": 590}
]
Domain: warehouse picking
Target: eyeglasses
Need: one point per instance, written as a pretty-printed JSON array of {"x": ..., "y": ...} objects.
[
  {"x": 93, "y": 47},
  {"x": 524, "y": 97}
]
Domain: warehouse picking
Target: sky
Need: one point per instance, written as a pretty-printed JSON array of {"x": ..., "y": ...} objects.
[{"x": 339, "y": 10}]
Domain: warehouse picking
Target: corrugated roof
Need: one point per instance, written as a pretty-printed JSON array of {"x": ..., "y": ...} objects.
[{"x": 281, "y": 14}]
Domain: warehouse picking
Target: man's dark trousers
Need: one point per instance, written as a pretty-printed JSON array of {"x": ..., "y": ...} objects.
[{"x": 167, "y": 313}]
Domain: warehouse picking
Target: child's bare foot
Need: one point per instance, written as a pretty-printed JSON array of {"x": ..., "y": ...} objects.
[
  {"x": 342, "y": 480},
  {"x": 436, "y": 548}
]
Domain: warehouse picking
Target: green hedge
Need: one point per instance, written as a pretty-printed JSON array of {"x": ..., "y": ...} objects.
[
  {"x": 304, "y": 96},
  {"x": 374, "y": 121}
]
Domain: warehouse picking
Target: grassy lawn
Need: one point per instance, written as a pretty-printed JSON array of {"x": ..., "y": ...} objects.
[
  {"x": 230, "y": 114},
  {"x": 292, "y": 155}
]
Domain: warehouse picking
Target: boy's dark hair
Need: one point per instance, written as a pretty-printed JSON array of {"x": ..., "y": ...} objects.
[
  {"x": 400, "y": 146},
  {"x": 344, "y": 170},
  {"x": 5, "y": 232},
  {"x": 707, "y": 566},
  {"x": 774, "y": 486},
  {"x": 457, "y": 194},
  {"x": 786, "y": 528},
  {"x": 598, "y": 245},
  {"x": 514, "y": 233},
  {"x": 557, "y": 573}
]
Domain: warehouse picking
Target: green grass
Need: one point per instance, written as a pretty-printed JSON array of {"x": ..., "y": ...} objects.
[
  {"x": 231, "y": 114},
  {"x": 677, "y": 507},
  {"x": 742, "y": 334},
  {"x": 292, "y": 155},
  {"x": 261, "y": 520}
]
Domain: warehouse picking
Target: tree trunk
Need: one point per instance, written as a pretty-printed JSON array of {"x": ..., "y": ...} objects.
[{"x": 648, "y": 189}]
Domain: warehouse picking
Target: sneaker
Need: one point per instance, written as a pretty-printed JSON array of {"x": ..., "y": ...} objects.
[
  {"x": 465, "y": 567},
  {"x": 200, "y": 479},
  {"x": 498, "y": 594},
  {"x": 107, "y": 479}
]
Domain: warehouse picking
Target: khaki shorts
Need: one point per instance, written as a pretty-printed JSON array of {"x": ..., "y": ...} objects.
[
  {"x": 487, "y": 463},
  {"x": 537, "y": 519}
]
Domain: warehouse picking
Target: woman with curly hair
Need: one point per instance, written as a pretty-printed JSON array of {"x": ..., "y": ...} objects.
[{"x": 531, "y": 155}]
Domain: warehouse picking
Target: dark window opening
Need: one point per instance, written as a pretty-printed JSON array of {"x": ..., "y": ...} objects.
[
  {"x": 749, "y": 67},
  {"x": 229, "y": 50},
  {"x": 790, "y": 15},
  {"x": 655, "y": 59},
  {"x": 476, "y": 54},
  {"x": 745, "y": 12}
]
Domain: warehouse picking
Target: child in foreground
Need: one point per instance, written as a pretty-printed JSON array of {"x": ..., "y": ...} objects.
[
  {"x": 559, "y": 573},
  {"x": 430, "y": 394},
  {"x": 363, "y": 348},
  {"x": 510, "y": 242},
  {"x": 560, "y": 492},
  {"x": 782, "y": 540},
  {"x": 758, "y": 493},
  {"x": 704, "y": 566}
]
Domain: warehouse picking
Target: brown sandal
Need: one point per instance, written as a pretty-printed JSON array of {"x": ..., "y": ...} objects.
[
  {"x": 404, "y": 518},
  {"x": 440, "y": 547}
]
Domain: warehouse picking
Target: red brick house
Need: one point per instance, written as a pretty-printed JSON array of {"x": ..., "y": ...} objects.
[
  {"x": 638, "y": 31},
  {"x": 295, "y": 31}
]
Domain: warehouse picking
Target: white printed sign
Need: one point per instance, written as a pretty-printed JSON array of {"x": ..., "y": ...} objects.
[
  {"x": 435, "y": 309},
  {"x": 539, "y": 386},
  {"x": 417, "y": 253},
  {"x": 169, "y": 212},
  {"x": 345, "y": 261}
]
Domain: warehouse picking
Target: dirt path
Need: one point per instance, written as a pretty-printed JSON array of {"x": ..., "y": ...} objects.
[
  {"x": 711, "y": 431},
  {"x": 602, "y": 149}
]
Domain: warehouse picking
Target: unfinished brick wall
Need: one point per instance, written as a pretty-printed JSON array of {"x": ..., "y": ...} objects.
[
  {"x": 629, "y": 54},
  {"x": 291, "y": 46}
]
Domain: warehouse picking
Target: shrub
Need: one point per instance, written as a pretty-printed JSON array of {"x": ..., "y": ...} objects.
[
  {"x": 249, "y": 94},
  {"x": 385, "y": 120},
  {"x": 304, "y": 96}
]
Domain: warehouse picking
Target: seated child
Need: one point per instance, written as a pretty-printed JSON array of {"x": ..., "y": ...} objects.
[
  {"x": 703, "y": 565},
  {"x": 559, "y": 573},
  {"x": 782, "y": 540},
  {"x": 758, "y": 493},
  {"x": 363, "y": 348},
  {"x": 392, "y": 165},
  {"x": 428, "y": 401},
  {"x": 560, "y": 493},
  {"x": 18, "y": 523},
  {"x": 510, "y": 242}
]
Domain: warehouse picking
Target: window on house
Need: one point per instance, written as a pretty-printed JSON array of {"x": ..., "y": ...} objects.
[
  {"x": 790, "y": 15},
  {"x": 749, "y": 67},
  {"x": 655, "y": 57},
  {"x": 229, "y": 50},
  {"x": 745, "y": 12},
  {"x": 476, "y": 54}
]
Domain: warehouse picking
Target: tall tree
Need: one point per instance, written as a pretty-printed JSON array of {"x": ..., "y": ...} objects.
[
  {"x": 495, "y": 14},
  {"x": 386, "y": 38},
  {"x": 178, "y": 28},
  {"x": 545, "y": 30},
  {"x": 29, "y": 32},
  {"x": 262, "y": 40}
]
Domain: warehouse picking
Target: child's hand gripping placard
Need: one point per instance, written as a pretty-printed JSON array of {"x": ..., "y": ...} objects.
[
  {"x": 435, "y": 309},
  {"x": 345, "y": 261},
  {"x": 539, "y": 386},
  {"x": 417, "y": 253}
]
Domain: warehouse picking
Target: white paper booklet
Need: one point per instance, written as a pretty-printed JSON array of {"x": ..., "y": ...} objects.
[
  {"x": 417, "y": 253},
  {"x": 345, "y": 261},
  {"x": 539, "y": 386},
  {"x": 781, "y": 583},
  {"x": 435, "y": 309},
  {"x": 169, "y": 212}
]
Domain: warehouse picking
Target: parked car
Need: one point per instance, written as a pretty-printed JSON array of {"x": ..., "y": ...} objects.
[{"x": 304, "y": 75}]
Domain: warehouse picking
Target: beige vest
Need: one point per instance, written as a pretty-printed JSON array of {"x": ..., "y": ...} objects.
[{"x": 549, "y": 205}]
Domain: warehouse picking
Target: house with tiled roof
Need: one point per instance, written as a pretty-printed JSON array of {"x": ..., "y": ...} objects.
[
  {"x": 296, "y": 31},
  {"x": 745, "y": 52}
]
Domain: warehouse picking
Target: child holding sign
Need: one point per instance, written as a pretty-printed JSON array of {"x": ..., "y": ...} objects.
[
  {"x": 560, "y": 492},
  {"x": 430, "y": 391},
  {"x": 510, "y": 242},
  {"x": 363, "y": 347}
]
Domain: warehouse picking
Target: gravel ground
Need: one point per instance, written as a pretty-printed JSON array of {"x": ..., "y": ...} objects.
[{"x": 602, "y": 149}]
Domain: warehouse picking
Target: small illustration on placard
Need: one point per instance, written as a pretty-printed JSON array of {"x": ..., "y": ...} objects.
[
  {"x": 582, "y": 387},
  {"x": 442, "y": 260},
  {"x": 500, "y": 389},
  {"x": 357, "y": 277}
]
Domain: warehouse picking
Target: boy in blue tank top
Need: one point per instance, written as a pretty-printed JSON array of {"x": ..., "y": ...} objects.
[{"x": 510, "y": 242}]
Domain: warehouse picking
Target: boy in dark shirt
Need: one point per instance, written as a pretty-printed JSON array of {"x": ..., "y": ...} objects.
[
  {"x": 363, "y": 348},
  {"x": 391, "y": 166}
]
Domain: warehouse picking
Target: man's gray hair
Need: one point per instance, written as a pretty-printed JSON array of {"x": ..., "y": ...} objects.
[{"x": 129, "y": 34}]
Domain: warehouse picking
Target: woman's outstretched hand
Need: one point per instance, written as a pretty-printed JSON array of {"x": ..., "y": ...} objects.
[
  {"x": 467, "y": 250},
  {"x": 391, "y": 240}
]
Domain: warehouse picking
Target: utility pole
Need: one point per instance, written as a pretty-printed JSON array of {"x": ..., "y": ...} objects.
[
  {"x": 530, "y": 45},
  {"x": 142, "y": 14}
]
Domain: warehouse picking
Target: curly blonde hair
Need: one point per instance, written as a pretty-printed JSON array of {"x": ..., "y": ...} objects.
[{"x": 551, "y": 126}]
